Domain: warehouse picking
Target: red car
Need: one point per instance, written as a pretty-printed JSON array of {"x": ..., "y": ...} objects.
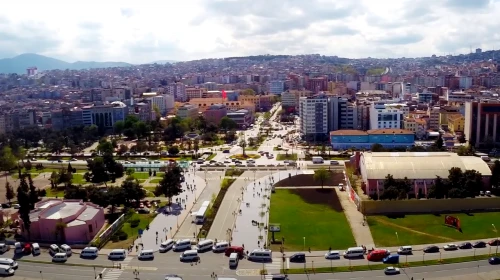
[
  {"x": 494, "y": 242},
  {"x": 234, "y": 249},
  {"x": 378, "y": 255}
]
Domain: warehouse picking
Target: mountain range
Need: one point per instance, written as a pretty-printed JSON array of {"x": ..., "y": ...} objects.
[{"x": 20, "y": 63}]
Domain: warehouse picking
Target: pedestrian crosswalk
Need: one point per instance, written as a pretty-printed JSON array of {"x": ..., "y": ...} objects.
[
  {"x": 274, "y": 266},
  {"x": 115, "y": 273}
]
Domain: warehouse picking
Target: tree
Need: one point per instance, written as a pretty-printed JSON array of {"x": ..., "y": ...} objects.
[
  {"x": 105, "y": 147},
  {"x": 173, "y": 150},
  {"x": 439, "y": 142},
  {"x": 196, "y": 146},
  {"x": 227, "y": 124},
  {"x": 33, "y": 192},
  {"x": 321, "y": 175},
  {"x": 472, "y": 183},
  {"x": 439, "y": 189},
  {"x": 75, "y": 192},
  {"x": 9, "y": 192},
  {"x": 119, "y": 127},
  {"x": 243, "y": 145},
  {"x": 132, "y": 190},
  {"x": 7, "y": 159},
  {"x": 495, "y": 174},
  {"x": 97, "y": 172},
  {"x": 23, "y": 199},
  {"x": 170, "y": 184}
]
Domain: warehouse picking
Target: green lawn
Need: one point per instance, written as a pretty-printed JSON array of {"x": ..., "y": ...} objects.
[
  {"x": 141, "y": 175},
  {"x": 286, "y": 157},
  {"x": 78, "y": 179},
  {"x": 321, "y": 225},
  {"x": 55, "y": 192},
  {"x": 427, "y": 229},
  {"x": 145, "y": 219},
  {"x": 155, "y": 181},
  {"x": 210, "y": 157}
]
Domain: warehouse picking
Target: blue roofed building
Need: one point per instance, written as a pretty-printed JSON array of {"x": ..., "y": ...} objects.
[{"x": 358, "y": 139}]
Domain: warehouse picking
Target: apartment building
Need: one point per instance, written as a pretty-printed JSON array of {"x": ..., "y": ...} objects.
[
  {"x": 433, "y": 123},
  {"x": 342, "y": 114},
  {"x": 384, "y": 115},
  {"x": 314, "y": 117},
  {"x": 456, "y": 123},
  {"x": 481, "y": 126},
  {"x": 276, "y": 87},
  {"x": 415, "y": 125},
  {"x": 187, "y": 111},
  {"x": 66, "y": 118},
  {"x": 164, "y": 103},
  {"x": 178, "y": 90},
  {"x": 289, "y": 101},
  {"x": 262, "y": 102},
  {"x": 195, "y": 92},
  {"x": 2, "y": 124},
  {"x": 205, "y": 103},
  {"x": 103, "y": 116},
  {"x": 215, "y": 113}
]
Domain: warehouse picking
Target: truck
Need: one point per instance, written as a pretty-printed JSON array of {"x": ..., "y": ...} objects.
[{"x": 317, "y": 160}]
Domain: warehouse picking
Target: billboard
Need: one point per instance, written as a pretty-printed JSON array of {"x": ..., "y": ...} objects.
[{"x": 452, "y": 221}]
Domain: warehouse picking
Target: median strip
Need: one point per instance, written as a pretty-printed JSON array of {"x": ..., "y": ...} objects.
[
  {"x": 67, "y": 264},
  {"x": 337, "y": 269}
]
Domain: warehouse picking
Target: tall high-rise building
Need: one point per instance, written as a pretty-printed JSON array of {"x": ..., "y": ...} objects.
[
  {"x": 314, "y": 117},
  {"x": 481, "y": 123},
  {"x": 276, "y": 87},
  {"x": 178, "y": 90}
]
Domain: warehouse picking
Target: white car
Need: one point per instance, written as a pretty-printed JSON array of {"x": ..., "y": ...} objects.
[
  {"x": 391, "y": 270},
  {"x": 330, "y": 255},
  {"x": 450, "y": 247}
]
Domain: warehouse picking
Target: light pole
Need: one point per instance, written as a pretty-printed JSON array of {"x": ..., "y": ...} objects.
[
  {"x": 41, "y": 274},
  {"x": 497, "y": 241},
  {"x": 304, "y": 247},
  {"x": 397, "y": 236}
]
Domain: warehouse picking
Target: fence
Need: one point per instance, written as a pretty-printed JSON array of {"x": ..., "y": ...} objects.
[
  {"x": 351, "y": 192},
  {"x": 100, "y": 240}
]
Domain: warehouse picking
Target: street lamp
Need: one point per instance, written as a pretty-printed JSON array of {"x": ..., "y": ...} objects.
[
  {"x": 497, "y": 241},
  {"x": 304, "y": 247},
  {"x": 397, "y": 236},
  {"x": 41, "y": 275}
]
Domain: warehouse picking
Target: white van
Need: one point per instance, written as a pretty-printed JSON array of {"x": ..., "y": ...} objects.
[
  {"x": 117, "y": 254},
  {"x": 35, "y": 249},
  {"x": 181, "y": 245},
  {"x": 189, "y": 255},
  {"x": 18, "y": 248},
  {"x": 66, "y": 249},
  {"x": 4, "y": 248},
  {"x": 405, "y": 250},
  {"x": 354, "y": 252},
  {"x": 6, "y": 270},
  {"x": 166, "y": 245},
  {"x": 205, "y": 245},
  {"x": 89, "y": 252},
  {"x": 10, "y": 262},
  {"x": 53, "y": 249},
  {"x": 260, "y": 255},
  {"x": 60, "y": 257},
  {"x": 220, "y": 247},
  {"x": 146, "y": 255},
  {"x": 233, "y": 260}
]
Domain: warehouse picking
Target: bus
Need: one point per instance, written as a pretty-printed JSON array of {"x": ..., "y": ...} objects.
[{"x": 199, "y": 218}]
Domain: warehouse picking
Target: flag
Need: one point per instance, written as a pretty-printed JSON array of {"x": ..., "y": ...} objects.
[{"x": 224, "y": 94}]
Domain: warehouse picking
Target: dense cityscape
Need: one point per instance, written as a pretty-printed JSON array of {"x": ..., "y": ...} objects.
[{"x": 258, "y": 167}]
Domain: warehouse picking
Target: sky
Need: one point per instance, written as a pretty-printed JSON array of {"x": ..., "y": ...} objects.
[{"x": 150, "y": 30}]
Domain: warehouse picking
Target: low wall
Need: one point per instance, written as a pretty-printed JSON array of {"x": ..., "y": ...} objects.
[{"x": 371, "y": 207}]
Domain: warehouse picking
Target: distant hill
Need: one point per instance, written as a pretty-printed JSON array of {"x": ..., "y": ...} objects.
[
  {"x": 164, "y": 61},
  {"x": 19, "y": 64}
]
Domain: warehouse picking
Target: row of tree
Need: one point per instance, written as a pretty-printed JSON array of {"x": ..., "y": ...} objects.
[{"x": 459, "y": 184}]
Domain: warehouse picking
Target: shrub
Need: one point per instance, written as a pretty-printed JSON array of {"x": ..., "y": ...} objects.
[
  {"x": 122, "y": 235},
  {"x": 134, "y": 223},
  {"x": 115, "y": 238}
]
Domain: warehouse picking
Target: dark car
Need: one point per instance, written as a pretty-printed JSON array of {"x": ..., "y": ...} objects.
[
  {"x": 431, "y": 249},
  {"x": 6, "y": 205},
  {"x": 494, "y": 260},
  {"x": 465, "y": 245},
  {"x": 479, "y": 244},
  {"x": 494, "y": 242},
  {"x": 298, "y": 258}
]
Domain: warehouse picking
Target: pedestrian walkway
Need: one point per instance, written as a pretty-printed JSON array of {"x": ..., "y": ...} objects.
[
  {"x": 169, "y": 218},
  {"x": 225, "y": 219},
  {"x": 115, "y": 273},
  {"x": 188, "y": 229},
  {"x": 274, "y": 266},
  {"x": 360, "y": 229}
]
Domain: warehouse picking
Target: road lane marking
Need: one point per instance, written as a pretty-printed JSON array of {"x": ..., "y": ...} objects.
[
  {"x": 145, "y": 268},
  {"x": 287, "y": 263}
]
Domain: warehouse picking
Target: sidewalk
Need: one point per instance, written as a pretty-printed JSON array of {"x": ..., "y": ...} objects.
[
  {"x": 165, "y": 225},
  {"x": 362, "y": 234},
  {"x": 212, "y": 189},
  {"x": 226, "y": 218},
  {"x": 479, "y": 276}
]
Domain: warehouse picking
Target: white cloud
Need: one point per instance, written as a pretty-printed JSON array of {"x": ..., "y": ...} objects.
[{"x": 148, "y": 30}]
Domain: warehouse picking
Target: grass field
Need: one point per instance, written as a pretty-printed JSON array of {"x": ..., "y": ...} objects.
[
  {"x": 141, "y": 175},
  {"x": 55, "y": 192},
  {"x": 428, "y": 229},
  {"x": 155, "y": 181},
  {"x": 145, "y": 219},
  {"x": 286, "y": 157},
  {"x": 78, "y": 179},
  {"x": 315, "y": 214}
]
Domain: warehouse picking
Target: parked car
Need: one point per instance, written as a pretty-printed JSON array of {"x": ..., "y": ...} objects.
[
  {"x": 494, "y": 260},
  {"x": 450, "y": 247},
  {"x": 465, "y": 245},
  {"x": 431, "y": 249},
  {"x": 479, "y": 244},
  {"x": 334, "y": 162},
  {"x": 298, "y": 258},
  {"x": 494, "y": 242},
  {"x": 330, "y": 255},
  {"x": 391, "y": 270}
]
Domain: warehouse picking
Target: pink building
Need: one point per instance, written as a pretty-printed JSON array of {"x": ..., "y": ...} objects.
[
  {"x": 83, "y": 221},
  {"x": 215, "y": 113}
]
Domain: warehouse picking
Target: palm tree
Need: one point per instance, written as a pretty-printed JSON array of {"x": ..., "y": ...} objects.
[{"x": 321, "y": 175}]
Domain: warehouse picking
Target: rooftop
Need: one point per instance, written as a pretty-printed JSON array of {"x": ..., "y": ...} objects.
[{"x": 419, "y": 165}]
